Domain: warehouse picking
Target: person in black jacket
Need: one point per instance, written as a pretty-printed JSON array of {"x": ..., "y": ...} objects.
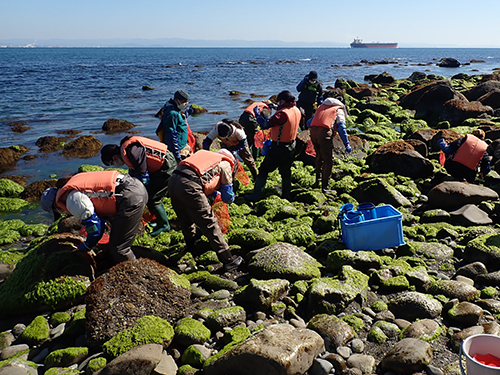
[{"x": 311, "y": 93}]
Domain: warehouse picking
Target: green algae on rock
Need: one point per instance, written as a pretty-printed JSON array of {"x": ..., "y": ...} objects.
[
  {"x": 36, "y": 332},
  {"x": 12, "y": 204},
  {"x": 250, "y": 239},
  {"x": 191, "y": 331},
  {"x": 147, "y": 330},
  {"x": 66, "y": 357},
  {"x": 9, "y": 188}
]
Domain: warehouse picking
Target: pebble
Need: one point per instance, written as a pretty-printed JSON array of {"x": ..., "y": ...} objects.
[{"x": 344, "y": 351}]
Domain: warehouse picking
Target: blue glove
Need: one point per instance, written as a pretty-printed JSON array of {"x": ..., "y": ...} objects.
[
  {"x": 227, "y": 193},
  {"x": 341, "y": 129},
  {"x": 144, "y": 178},
  {"x": 214, "y": 194},
  {"x": 94, "y": 228},
  {"x": 308, "y": 123},
  {"x": 206, "y": 143},
  {"x": 444, "y": 146},
  {"x": 348, "y": 148},
  {"x": 262, "y": 121},
  {"x": 320, "y": 100},
  {"x": 272, "y": 106},
  {"x": 188, "y": 112},
  {"x": 240, "y": 146}
]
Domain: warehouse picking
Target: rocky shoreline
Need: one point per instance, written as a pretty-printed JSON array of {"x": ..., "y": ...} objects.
[{"x": 302, "y": 303}]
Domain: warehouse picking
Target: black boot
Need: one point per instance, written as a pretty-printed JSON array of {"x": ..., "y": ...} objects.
[
  {"x": 162, "y": 224},
  {"x": 260, "y": 184},
  {"x": 230, "y": 262}
]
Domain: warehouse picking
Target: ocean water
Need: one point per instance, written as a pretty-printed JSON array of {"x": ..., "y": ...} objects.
[{"x": 56, "y": 89}]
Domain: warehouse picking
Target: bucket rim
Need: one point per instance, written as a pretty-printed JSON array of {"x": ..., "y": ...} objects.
[{"x": 466, "y": 353}]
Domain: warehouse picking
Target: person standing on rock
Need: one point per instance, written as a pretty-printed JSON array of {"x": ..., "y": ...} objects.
[
  {"x": 310, "y": 93},
  {"x": 250, "y": 124},
  {"x": 329, "y": 119},
  {"x": 152, "y": 163},
  {"x": 284, "y": 125},
  {"x": 202, "y": 175},
  {"x": 173, "y": 128},
  {"x": 234, "y": 139},
  {"x": 93, "y": 198},
  {"x": 465, "y": 155}
]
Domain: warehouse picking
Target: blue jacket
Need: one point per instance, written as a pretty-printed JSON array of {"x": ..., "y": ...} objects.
[{"x": 175, "y": 133}]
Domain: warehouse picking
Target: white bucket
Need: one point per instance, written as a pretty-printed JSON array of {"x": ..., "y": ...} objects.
[{"x": 480, "y": 344}]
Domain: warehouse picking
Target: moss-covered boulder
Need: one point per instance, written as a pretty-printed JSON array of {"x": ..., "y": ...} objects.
[
  {"x": 284, "y": 261},
  {"x": 261, "y": 294},
  {"x": 336, "y": 331},
  {"x": 430, "y": 250},
  {"x": 250, "y": 239},
  {"x": 9, "y": 188},
  {"x": 148, "y": 330},
  {"x": 12, "y": 204},
  {"x": 226, "y": 317},
  {"x": 191, "y": 331},
  {"x": 332, "y": 294},
  {"x": 484, "y": 249},
  {"x": 66, "y": 357},
  {"x": 51, "y": 275},
  {"x": 36, "y": 332}
]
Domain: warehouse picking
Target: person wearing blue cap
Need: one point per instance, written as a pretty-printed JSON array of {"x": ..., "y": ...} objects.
[
  {"x": 173, "y": 128},
  {"x": 95, "y": 197}
]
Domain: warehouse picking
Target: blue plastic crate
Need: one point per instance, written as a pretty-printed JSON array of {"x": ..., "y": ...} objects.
[{"x": 372, "y": 229}]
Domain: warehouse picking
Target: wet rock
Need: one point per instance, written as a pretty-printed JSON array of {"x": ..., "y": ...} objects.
[
  {"x": 482, "y": 89},
  {"x": 86, "y": 146},
  {"x": 470, "y": 215},
  {"x": 8, "y": 158},
  {"x": 425, "y": 329},
  {"x": 141, "y": 360},
  {"x": 130, "y": 291},
  {"x": 114, "y": 126},
  {"x": 448, "y": 62},
  {"x": 226, "y": 317},
  {"x": 402, "y": 159},
  {"x": 408, "y": 356},
  {"x": 454, "y": 289},
  {"x": 284, "y": 261},
  {"x": 384, "y": 78},
  {"x": 363, "y": 362},
  {"x": 486, "y": 249},
  {"x": 415, "y": 305},
  {"x": 456, "y": 111},
  {"x": 278, "y": 349},
  {"x": 261, "y": 294},
  {"x": 490, "y": 279},
  {"x": 50, "y": 143},
  {"x": 33, "y": 191},
  {"x": 334, "y": 331},
  {"x": 453, "y": 195},
  {"x": 378, "y": 191},
  {"x": 491, "y": 99},
  {"x": 465, "y": 313},
  {"x": 430, "y": 250},
  {"x": 472, "y": 270}
]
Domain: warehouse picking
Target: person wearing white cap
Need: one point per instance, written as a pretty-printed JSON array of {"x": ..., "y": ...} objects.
[
  {"x": 233, "y": 138},
  {"x": 94, "y": 197}
]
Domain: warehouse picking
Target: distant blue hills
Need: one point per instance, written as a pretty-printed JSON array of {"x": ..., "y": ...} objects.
[{"x": 163, "y": 42}]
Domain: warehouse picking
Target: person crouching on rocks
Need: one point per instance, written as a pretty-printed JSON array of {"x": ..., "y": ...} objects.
[
  {"x": 93, "y": 198},
  {"x": 233, "y": 138},
  {"x": 202, "y": 175},
  {"x": 465, "y": 155},
  {"x": 329, "y": 119},
  {"x": 152, "y": 163}
]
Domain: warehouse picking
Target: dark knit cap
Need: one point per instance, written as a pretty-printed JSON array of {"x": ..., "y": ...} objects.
[
  {"x": 313, "y": 74},
  {"x": 286, "y": 96},
  {"x": 181, "y": 95}
]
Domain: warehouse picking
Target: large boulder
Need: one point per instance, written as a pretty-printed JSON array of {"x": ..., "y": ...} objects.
[
  {"x": 428, "y": 100},
  {"x": 114, "y": 126},
  {"x": 448, "y": 62},
  {"x": 278, "y": 349},
  {"x": 482, "y": 89},
  {"x": 455, "y": 111},
  {"x": 378, "y": 191},
  {"x": 8, "y": 158},
  {"x": 401, "y": 158},
  {"x": 129, "y": 291},
  {"x": 491, "y": 99},
  {"x": 86, "y": 146},
  {"x": 450, "y": 195}
]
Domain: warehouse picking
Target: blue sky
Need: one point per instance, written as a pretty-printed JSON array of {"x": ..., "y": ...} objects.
[{"x": 424, "y": 23}]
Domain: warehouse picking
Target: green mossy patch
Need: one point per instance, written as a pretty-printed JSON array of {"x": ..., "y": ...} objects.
[
  {"x": 12, "y": 204},
  {"x": 53, "y": 293},
  {"x": 10, "y": 189},
  {"x": 96, "y": 364},
  {"x": 250, "y": 238},
  {"x": 148, "y": 330},
  {"x": 191, "y": 331},
  {"x": 36, "y": 332},
  {"x": 66, "y": 357}
]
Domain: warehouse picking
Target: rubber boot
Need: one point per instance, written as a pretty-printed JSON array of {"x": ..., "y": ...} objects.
[
  {"x": 162, "y": 224},
  {"x": 260, "y": 183},
  {"x": 286, "y": 188},
  {"x": 230, "y": 262}
]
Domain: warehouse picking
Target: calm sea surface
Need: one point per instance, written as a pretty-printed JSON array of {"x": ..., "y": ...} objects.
[{"x": 56, "y": 89}]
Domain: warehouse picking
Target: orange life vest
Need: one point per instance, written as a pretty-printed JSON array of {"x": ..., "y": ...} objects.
[
  {"x": 207, "y": 165},
  {"x": 470, "y": 152},
  {"x": 155, "y": 152},
  {"x": 325, "y": 115},
  {"x": 289, "y": 128},
  {"x": 251, "y": 107},
  {"x": 98, "y": 186}
]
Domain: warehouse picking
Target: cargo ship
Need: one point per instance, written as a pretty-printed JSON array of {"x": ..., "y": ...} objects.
[{"x": 358, "y": 43}]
